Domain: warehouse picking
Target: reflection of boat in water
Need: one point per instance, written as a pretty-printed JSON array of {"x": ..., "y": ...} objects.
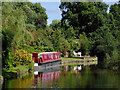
[{"x": 47, "y": 76}]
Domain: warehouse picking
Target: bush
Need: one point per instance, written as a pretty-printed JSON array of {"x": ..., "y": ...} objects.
[
  {"x": 85, "y": 44},
  {"x": 48, "y": 49},
  {"x": 112, "y": 60},
  {"x": 22, "y": 57}
]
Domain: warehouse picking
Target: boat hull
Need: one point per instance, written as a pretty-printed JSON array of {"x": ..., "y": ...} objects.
[{"x": 50, "y": 62}]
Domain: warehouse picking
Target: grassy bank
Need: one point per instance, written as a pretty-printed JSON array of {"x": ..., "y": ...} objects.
[
  {"x": 69, "y": 59},
  {"x": 14, "y": 72},
  {"x": 80, "y": 61},
  {"x": 65, "y": 60}
]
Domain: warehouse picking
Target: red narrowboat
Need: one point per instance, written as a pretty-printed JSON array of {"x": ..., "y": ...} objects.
[{"x": 47, "y": 57}]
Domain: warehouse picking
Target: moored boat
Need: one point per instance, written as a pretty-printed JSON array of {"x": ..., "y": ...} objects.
[{"x": 46, "y": 57}]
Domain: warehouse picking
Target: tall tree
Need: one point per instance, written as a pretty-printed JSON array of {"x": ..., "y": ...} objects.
[
  {"x": 41, "y": 20},
  {"x": 115, "y": 11},
  {"x": 84, "y": 16}
]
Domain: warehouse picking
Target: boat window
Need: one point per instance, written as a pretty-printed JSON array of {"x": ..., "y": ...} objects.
[
  {"x": 49, "y": 56},
  {"x": 56, "y": 55},
  {"x": 41, "y": 56},
  {"x": 45, "y": 57},
  {"x": 52, "y": 56}
]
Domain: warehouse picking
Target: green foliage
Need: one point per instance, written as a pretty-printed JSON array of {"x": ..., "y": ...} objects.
[
  {"x": 35, "y": 13},
  {"x": 84, "y": 16},
  {"x": 105, "y": 47},
  {"x": 41, "y": 19},
  {"x": 98, "y": 31},
  {"x": 55, "y": 24},
  {"x": 75, "y": 45},
  {"x": 105, "y": 40},
  {"x": 112, "y": 60},
  {"x": 69, "y": 33},
  {"x": 18, "y": 22},
  {"x": 14, "y": 24},
  {"x": 62, "y": 36},
  {"x": 48, "y": 49},
  {"x": 31, "y": 49},
  {"x": 85, "y": 44},
  {"x": 115, "y": 11}
]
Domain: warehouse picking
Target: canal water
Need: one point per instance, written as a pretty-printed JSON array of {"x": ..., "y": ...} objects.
[{"x": 67, "y": 77}]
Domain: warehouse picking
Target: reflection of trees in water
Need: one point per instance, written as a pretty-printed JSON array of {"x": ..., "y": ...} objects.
[
  {"x": 88, "y": 78},
  {"x": 99, "y": 79},
  {"x": 1, "y": 83},
  {"x": 76, "y": 71},
  {"x": 22, "y": 82},
  {"x": 66, "y": 68}
]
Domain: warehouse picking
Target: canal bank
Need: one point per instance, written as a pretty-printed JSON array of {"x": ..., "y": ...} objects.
[
  {"x": 16, "y": 72},
  {"x": 21, "y": 70},
  {"x": 85, "y": 61}
]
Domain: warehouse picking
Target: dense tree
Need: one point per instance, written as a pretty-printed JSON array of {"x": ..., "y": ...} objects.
[
  {"x": 115, "y": 11},
  {"x": 84, "y": 16},
  {"x": 41, "y": 19},
  {"x": 85, "y": 44},
  {"x": 66, "y": 30}
]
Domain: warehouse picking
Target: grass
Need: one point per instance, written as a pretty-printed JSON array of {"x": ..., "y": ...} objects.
[
  {"x": 69, "y": 59},
  {"x": 14, "y": 71},
  {"x": 72, "y": 64},
  {"x": 20, "y": 68}
]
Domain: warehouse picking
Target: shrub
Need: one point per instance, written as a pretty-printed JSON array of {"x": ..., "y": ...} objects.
[
  {"x": 112, "y": 60},
  {"x": 48, "y": 49},
  {"x": 22, "y": 57}
]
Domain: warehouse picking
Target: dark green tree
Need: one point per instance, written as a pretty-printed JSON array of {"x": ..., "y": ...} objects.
[
  {"x": 41, "y": 19},
  {"x": 84, "y": 16},
  {"x": 115, "y": 11}
]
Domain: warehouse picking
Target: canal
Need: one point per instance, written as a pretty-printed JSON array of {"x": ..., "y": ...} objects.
[{"x": 67, "y": 77}]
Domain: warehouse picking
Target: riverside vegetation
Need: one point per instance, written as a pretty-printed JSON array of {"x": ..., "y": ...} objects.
[{"x": 85, "y": 27}]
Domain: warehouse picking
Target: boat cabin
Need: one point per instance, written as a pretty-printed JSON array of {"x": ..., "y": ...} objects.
[{"x": 46, "y": 57}]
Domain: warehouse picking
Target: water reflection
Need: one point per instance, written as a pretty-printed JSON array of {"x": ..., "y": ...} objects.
[
  {"x": 47, "y": 78},
  {"x": 67, "y": 77},
  {"x": 79, "y": 68},
  {"x": 1, "y": 85},
  {"x": 22, "y": 82},
  {"x": 72, "y": 68}
]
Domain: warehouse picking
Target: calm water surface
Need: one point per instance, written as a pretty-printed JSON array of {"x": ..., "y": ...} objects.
[{"x": 67, "y": 77}]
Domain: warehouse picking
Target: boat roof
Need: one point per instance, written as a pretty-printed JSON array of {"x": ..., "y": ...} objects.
[{"x": 46, "y": 52}]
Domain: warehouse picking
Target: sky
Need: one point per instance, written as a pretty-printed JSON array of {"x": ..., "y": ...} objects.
[{"x": 53, "y": 11}]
